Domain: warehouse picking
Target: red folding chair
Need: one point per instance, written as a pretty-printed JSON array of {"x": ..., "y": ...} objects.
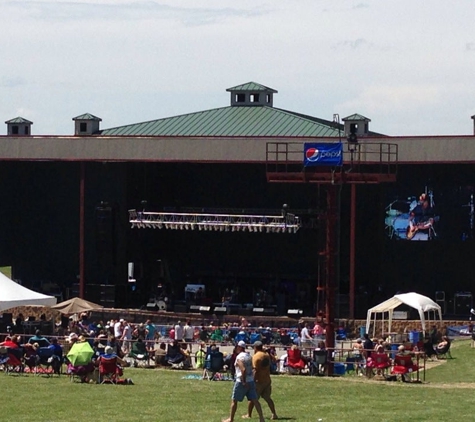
[
  {"x": 404, "y": 366},
  {"x": 109, "y": 370}
]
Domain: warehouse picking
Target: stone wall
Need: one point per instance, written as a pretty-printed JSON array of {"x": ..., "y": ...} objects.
[{"x": 136, "y": 316}]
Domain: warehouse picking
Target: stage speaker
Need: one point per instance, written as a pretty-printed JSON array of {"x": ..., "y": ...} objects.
[
  {"x": 462, "y": 303},
  {"x": 7, "y": 318},
  {"x": 440, "y": 300},
  {"x": 179, "y": 308}
]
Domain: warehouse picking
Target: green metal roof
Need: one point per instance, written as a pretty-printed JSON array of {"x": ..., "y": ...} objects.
[
  {"x": 18, "y": 120},
  {"x": 354, "y": 117},
  {"x": 87, "y": 116},
  {"x": 251, "y": 86},
  {"x": 231, "y": 121}
]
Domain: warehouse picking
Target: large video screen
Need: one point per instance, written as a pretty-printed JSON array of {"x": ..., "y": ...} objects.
[{"x": 430, "y": 212}]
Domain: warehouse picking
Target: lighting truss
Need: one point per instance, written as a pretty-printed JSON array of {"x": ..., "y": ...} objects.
[{"x": 289, "y": 223}]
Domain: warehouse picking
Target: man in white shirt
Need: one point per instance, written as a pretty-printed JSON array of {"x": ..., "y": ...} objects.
[
  {"x": 179, "y": 332},
  {"x": 126, "y": 337},
  {"x": 188, "y": 332},
  {"x": 118, "y": 329},
  {"x": 305, "y": 337},
  {"x": 244, "y": 386}
]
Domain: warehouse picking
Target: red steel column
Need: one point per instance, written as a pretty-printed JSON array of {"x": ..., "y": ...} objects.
[
  {"x": 331, "y": 249},
  {"x": 81, "y": 229}
]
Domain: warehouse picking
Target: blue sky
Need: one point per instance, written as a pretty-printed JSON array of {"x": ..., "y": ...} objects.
[{"x": 408, "y": 65}]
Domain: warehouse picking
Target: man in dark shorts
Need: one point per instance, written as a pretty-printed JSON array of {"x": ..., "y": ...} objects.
[
  {"x": 244, "y": 386},
  {"x": 261, "y": 370}
]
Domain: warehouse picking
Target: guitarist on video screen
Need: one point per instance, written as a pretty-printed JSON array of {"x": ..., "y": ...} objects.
[{"x": 421, "y": 218}]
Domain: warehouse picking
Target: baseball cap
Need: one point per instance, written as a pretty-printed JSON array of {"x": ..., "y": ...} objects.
[
  {"x": 257, "y": 343},
  {"x": 242, "y": 344}
]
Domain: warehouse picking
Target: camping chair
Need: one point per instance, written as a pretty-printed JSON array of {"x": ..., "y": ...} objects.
[
  {"x": 404, "y": 366},
  {"x": 80, "y": 372},
  {"x": 11, "y": 361},
  {"x": 444, "y": 352},
  {"x": 214, "y": 364},
  {"x": 241, "y": 336},
  {"x": 3, "y": 357},
  {"x": 285, "y": 339},
  {"x": 351, "y": 364},
  {"x": 45, "y": 359},
  {"x": 139, "y": 353},
  {"x": 31, "y": 360},
  {"x": 379, "y": 362},
  {"x": 295, "y": 363},
  {"x": 217, "y": 335},
  {"x": 109, "y": 370},
  {"x": 174, "y": 357},
  {"x": 319, "y": 362},
  {"x": 255, "y": 337}
]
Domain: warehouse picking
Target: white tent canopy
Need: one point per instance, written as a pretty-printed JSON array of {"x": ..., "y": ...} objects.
[
  {"x": 13, "y": 294},
  {"x": 423, "y": 304}
]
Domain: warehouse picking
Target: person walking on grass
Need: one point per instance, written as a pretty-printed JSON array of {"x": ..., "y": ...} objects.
[
  {"x": 244, "y": 386},
  {"x": 261, "y": 370}
]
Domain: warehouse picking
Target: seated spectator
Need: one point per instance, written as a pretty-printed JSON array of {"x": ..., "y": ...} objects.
[
  {"x": 104, "y": 362},
  {"x": 139, "y": 349},
  {"x": 72, "y": 338},
  {"x": 295, "y": 359},
  {"x": 175, "y": 354},
  {"x": 38, "y": 338},
  {"x": 160, "y": 355},
  {"x": 9, "y": 343},
  {"x": 109, "y": 353},
  {"x": 273, "y": 358},
  {"x": 204, "y": 334},
  {"x": 99, "y": 349},
  {"x": 187, "y": 354},
  {"x": 31, "y": 357},
  {"x": 56, "y": 348},
  {"x": 112, "y": 342},
  {"x": 443, "y": 347}
]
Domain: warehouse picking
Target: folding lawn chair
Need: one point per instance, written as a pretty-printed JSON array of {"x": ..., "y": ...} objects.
[
  {"x": 109, "y": 370},
  {"x": 318, "y": 364},
  {"x": 214, "y": 364}
]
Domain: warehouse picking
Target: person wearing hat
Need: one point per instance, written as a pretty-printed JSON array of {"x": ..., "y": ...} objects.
[
  {"x": 73, "y": 338},
  {"x": 109, "y": 353},
  {"x": 244, "y": 385},
  {"x": 261, "y": 362}
]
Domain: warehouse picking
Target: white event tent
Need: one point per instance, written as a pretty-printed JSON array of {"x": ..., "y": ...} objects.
[
  {"x": 423, "y": 304},
  {"x": 13, "y": 294}
]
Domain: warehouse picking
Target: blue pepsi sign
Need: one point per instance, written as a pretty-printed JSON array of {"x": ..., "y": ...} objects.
[{"x": 323, "y": 154}]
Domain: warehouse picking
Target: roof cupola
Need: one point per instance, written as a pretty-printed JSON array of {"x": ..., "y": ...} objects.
[
  {"x": 356, "y": 124},
  {"x": 86, "y": 124},
  {"x": 18, "y": 127},
  {"x": 251, "y": 94}
]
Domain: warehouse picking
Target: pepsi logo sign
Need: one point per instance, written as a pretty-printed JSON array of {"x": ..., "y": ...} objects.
[
  {"x": 312, "y": 154},
  {"x": 323, "y": 154}
]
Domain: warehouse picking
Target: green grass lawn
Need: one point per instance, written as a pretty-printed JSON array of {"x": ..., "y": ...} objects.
[
  {"x": 6, "y": 271},
  {"x": 163, "y": 395}
]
